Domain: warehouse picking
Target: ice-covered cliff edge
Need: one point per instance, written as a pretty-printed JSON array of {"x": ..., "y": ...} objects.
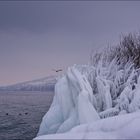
[{"x": 78, "y": 113}]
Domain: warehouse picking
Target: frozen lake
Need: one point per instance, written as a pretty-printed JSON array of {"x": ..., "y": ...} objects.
[{"x": 21, "y": 113}]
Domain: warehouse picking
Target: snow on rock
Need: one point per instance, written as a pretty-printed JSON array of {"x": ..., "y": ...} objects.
[{"x": 73, "y": 104}]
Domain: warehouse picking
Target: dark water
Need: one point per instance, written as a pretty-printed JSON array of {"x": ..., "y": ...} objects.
[{"x": 21, "y": 113}]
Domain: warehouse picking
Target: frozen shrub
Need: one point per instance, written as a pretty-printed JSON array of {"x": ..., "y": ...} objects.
[{"x": 114, "y": 75}]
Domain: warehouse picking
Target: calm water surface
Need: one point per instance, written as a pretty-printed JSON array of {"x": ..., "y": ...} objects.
[{"x": 21, "y": 113}]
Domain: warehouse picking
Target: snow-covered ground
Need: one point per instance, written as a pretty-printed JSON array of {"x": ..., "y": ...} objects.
[
  {"x": 118, "y": 127},
  {"x": 95, "y": 102}
]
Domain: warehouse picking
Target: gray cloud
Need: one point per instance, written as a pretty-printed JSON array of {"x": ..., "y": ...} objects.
[{"x": 38, "y": 36}]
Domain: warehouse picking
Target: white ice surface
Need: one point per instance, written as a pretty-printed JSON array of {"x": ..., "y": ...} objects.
[
  {"x": 72, "y": 105},
  {"x": 73, "y": 113},
  {"x": 118, "y": 127}
]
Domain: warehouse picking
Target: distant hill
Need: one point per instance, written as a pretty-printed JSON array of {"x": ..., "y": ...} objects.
[{"x": 42, "y": 84}]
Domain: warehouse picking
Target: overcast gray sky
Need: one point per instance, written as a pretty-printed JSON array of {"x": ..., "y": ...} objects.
[{"x": 36, "y": 37}]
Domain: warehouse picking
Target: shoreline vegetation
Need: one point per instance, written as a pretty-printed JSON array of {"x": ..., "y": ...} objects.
[{"x": 107, "y": 88}]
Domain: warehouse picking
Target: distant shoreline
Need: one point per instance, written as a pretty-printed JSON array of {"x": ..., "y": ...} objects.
[{"x": 20, "y": 92}]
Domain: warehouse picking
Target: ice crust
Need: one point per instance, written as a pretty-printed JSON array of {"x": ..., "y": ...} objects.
[
  {"x": 73, "y": 104},
  {"x": 79, "y": 113}
]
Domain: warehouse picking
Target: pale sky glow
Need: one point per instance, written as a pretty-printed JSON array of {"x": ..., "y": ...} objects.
[{"x": 36, "y": 37}]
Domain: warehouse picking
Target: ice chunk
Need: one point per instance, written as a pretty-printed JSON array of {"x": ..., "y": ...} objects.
[{"x": 73, "y": 104}]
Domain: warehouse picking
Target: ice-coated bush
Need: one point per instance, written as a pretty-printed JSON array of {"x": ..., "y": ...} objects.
[
  {"x": 114, "y": 77},
  {"x": 87, "y": 95}
]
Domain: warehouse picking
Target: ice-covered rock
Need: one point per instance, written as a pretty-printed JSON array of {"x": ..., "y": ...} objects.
[
  {"x": 73, "y": 104},
  {"x": 95, "y": 103}
]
